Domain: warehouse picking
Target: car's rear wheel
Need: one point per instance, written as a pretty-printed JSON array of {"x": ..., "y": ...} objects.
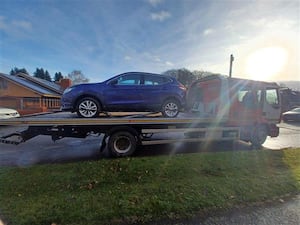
[
  {"x": 170, "y": 108},
  {"x": 88, "y": 108}
]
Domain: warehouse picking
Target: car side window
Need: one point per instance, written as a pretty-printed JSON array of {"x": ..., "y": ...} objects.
[
  {"x": 130, "y": 79},
  {"x": 155, "y": 80}
]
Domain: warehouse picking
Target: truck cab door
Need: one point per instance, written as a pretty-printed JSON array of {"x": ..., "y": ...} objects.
[{"x": 271, "y": 109}]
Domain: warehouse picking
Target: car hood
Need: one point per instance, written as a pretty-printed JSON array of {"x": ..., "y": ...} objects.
[
  {"x": 290, "y": 113},
  {"x": 7, "y": 111},
  {"x": 87, "y": 85}
]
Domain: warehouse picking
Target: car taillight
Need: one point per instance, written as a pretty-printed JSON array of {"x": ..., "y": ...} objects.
[{"x": 182, "y": 87}]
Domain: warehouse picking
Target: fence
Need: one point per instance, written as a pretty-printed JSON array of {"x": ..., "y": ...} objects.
[{"x": 27, "y": 105}]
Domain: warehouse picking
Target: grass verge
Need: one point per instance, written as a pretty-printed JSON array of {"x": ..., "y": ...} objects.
[{"x": 137, "y": 190}]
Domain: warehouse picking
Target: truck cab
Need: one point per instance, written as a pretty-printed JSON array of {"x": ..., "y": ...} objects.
[{"x": 254, "y": 106}]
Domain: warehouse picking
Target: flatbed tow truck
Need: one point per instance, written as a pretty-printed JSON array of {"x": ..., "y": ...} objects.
[{"x": 219, "y": 109}]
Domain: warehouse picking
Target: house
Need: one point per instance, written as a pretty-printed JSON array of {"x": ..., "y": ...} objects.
[{"x": 29, "y": 95}]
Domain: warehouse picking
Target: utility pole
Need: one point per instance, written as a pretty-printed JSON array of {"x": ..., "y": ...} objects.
[{"x": 230, "y": 67}]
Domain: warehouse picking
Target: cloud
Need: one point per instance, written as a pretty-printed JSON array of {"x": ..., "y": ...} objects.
[
  {"x": 168, "y": 63},
  {"x": 280, "y": 23},
  {"x": 155, "y": 2},
  {"x": 16, "y": 28},
  {"x": 21, "y": 24},
  {"x": 160, "y": 16},
  {"x": 208, "y": 31},
  {"x": 2, "y": 23},
  {"x": 127, "y": 58}
]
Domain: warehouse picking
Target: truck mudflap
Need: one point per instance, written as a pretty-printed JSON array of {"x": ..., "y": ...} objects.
[
  {"x": 13, "y": 138},
  {"x": 273, "y": 130},
  {"x": 56, "y": 133},
  {"x": 20, "y": 137}
]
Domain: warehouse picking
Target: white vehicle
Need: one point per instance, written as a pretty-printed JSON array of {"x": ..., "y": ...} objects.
[{"x": 6, "y": 113}]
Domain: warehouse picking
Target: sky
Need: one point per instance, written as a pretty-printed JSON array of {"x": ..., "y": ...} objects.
[{"x": 102, "y": 38}]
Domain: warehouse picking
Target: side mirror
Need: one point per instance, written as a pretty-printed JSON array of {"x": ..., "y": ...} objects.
[
  {"x": 276, "y": 106},
  {"x": 114, "y": 82}
]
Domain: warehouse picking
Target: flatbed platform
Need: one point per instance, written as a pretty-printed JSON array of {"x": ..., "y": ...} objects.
[
  {"x": 64, "y": 118},
  {"x": 122, "y": 132}
]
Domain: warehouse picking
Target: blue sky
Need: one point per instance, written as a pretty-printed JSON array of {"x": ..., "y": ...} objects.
[{"x": 105, "y": 37}]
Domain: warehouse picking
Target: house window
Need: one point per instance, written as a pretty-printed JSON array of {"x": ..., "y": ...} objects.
[{"x": 3, "y": 84}]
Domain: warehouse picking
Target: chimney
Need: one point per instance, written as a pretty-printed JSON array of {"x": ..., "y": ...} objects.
[{"x": 65, "y": 83}]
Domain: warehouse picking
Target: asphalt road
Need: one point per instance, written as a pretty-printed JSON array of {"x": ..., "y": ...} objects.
[
  {"x": 289, "y": 137},
  {"x": 279, "y": 212},
  {"x": 42, "y": 149}
]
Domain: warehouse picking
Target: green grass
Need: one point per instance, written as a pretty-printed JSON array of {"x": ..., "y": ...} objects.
[{"x": 137, "y": 190}]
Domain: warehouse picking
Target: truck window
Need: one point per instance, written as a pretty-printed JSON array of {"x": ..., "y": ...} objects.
[
  {"x": 272, "y": 97},
  {"x": 247, "y": 98},
  {"x": 241, "y": 95}
]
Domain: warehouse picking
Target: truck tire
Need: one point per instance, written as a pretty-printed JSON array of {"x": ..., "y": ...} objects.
[
  {"x": 259, "y": 135},
  {"x": 88, "y": 108},
  {"x": 170, "y": 108},
  {"x": 122, "y": 144}
]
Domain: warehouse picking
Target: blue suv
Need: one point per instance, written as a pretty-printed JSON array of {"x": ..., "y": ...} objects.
[{"x": 127, "y": 92}]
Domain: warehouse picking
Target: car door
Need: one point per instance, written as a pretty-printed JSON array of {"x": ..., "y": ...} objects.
[
  {"x": 153, "y": 90},
  {"x": 121, "y": 93}
]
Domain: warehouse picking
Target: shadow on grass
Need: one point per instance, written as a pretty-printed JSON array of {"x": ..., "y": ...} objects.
[{"x": 196, "y": 147}]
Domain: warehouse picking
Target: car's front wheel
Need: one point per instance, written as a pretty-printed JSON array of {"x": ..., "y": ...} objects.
[
  {"x": 170, "y": 108},
  {"x": 88, "y": 108}
]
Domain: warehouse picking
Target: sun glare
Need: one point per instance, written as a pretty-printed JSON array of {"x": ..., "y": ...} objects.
[{"x": 266, "y": 63}]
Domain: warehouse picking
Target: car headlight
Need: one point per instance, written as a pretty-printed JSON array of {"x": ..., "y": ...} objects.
[{"x": 68, "y": 90}]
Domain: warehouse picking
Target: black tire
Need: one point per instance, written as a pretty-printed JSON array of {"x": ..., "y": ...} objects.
[
  {"x": 88, "y": 108},
  {"x": 259, "y": 136},
  {"x": 122, "y": 144},
  {"x": 170, "y": 108}
]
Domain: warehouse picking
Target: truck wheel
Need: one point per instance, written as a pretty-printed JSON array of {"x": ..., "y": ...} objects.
[
  {"x": 259, "y": 136},
  {"x": 122, "y": 143},
  {"x": 88, "y": 108},
  {"x": 170, "y": 108}
]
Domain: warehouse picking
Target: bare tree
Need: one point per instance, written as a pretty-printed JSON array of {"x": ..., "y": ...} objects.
[{"x": 77, "y": 77}]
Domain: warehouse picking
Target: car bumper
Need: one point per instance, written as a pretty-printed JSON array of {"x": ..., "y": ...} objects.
[{"x": 66, "y": 107}]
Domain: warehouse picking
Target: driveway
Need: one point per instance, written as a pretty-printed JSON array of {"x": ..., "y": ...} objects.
[
  {"x": 279, "y": 212},
  {"x": 42, "y": 149}
]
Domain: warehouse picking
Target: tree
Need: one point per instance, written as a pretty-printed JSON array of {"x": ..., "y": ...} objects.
[
  {"x": 40, "y": 73},
  {"x": 183, "y": 75},
  {"x": 77, "y": 77},
  {"x": 16, "y": 70},
  {"x": 58, "y": 76},
  {"x": 201, "y": 73},
  {"x": 47, "y": 76}
]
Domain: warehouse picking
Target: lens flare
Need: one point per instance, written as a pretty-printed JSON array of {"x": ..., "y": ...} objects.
[{"x": 266, "y": 63}]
